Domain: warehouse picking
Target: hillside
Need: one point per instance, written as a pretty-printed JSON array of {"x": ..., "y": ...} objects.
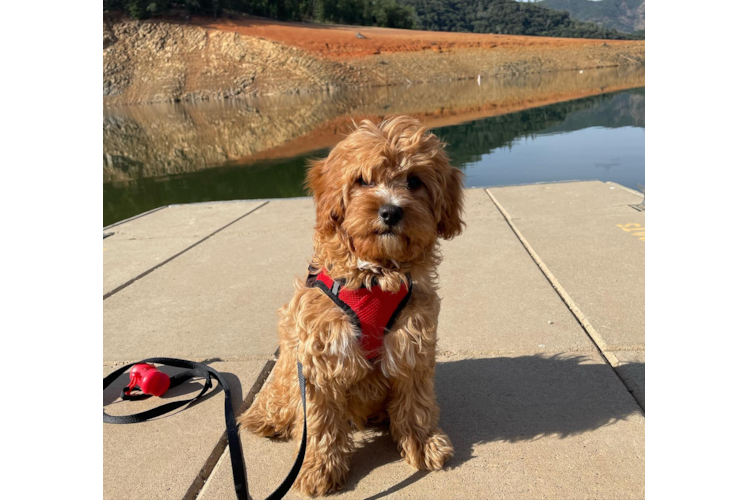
[
  {"x": 157, "y": 61},
  {"x": 622, "y": 15},
  {"x": 507, "y": 17}
]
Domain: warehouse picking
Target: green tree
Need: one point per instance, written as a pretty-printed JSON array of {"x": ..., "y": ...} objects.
[{"x": 476, "y": 16}]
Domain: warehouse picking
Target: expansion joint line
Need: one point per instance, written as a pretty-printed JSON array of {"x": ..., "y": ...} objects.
[
  {"x": 609, "y": 357},
  {"x": 149, "y": 271}
]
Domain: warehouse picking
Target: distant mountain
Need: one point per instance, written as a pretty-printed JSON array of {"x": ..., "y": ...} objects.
[{"x": 621, "y": 15}]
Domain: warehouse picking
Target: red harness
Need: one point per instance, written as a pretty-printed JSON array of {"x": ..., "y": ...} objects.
[{"x": 373, "y": 312}]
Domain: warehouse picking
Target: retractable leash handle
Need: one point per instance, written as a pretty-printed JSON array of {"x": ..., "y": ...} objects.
[
  {"x": 149, "y": 379},
  {"x": 200, "y": 370}
]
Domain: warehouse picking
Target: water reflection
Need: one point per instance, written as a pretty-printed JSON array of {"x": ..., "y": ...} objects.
[
  {"x": 242, "y": 149},
  {"x": 469, "y": 141},
  {"x": 598, "y": 137}
]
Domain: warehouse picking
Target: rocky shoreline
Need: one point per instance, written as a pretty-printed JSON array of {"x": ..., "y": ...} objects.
[{"x": 163, "y": 61}]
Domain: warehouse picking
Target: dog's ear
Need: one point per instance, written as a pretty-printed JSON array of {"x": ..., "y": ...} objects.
[
  {"x": 328, "y": 197},
  {"x": 451, "y": 223}
]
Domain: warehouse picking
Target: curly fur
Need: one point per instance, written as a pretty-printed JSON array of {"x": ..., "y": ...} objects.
[{"x": 344, "y": 390}]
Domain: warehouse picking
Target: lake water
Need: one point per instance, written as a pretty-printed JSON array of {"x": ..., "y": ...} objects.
[{"x": 543, "y": 128}]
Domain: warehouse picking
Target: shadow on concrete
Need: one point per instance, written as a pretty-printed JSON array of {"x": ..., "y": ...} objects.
[
  {"x": 190, "y": 389},
  {"x": 633, "y": 375},
  {"x": 524, "y": 398},
  {"x": 509, "y": 399},
  {"x": 376, "y": 451}
]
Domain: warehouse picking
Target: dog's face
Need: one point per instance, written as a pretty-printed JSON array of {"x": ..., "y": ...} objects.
[{"x": 389, "y": 190}]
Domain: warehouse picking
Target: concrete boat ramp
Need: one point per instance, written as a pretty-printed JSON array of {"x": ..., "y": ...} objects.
[{"x": 540, "y": 372}]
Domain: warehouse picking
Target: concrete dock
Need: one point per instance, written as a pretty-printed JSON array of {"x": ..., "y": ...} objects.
[{"x": 540, "y": 371}]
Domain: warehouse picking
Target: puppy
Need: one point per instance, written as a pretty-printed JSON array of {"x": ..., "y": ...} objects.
[{"x": 383, "y": 197}]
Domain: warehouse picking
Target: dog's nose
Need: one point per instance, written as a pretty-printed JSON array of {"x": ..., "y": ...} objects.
[{"x": 391, "y": 214}]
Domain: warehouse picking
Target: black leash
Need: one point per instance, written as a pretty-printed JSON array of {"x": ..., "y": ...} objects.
[{"x": 235, "y": 446}]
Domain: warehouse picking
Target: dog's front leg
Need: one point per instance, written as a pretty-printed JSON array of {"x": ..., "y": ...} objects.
[
  {"x": 332, "y": 362},
  {"x": 414, "y": 418},
  {"x": 329, "y": 445}
]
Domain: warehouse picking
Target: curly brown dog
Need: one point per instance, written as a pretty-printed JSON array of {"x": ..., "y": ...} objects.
[{"x": 383, "y": 197}]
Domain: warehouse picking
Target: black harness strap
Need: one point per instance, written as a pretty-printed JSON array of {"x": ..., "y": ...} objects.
[
  {"x": 333, "y": 295},
  {"x": 235, "y": 446}
]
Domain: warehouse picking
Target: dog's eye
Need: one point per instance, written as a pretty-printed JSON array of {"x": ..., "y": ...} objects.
[
  {"x": 363, "y": 183},
  {"x": 414, "y": 183}
]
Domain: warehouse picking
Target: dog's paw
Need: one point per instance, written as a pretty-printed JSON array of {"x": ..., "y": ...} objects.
[
  {"x": 437, "y": 451},
  {"x": 254, "y": 420},
  {"x": 431, "y": 455},
  {"x": 320, "y": 480}
]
